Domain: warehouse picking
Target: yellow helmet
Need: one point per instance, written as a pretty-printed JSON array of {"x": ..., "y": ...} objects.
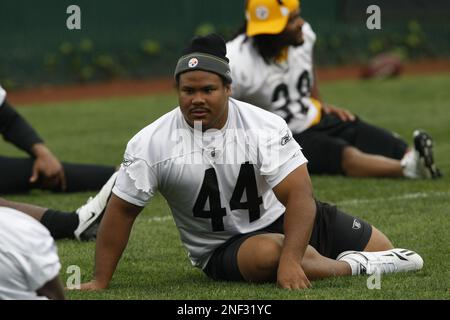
[{"x": 268, "y": 16}]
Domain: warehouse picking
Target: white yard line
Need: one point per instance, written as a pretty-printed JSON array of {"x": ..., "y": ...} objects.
[
  {"x": 159, "y": 219},
  {"x": 406, "y": 196}
]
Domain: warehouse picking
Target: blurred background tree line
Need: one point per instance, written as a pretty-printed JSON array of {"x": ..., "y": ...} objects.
[{"x": 143, "y": 39}]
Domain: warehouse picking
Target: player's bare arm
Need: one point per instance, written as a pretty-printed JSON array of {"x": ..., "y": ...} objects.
[
  {"x": 295, "y": 193},
  {"x": 112, "y": 238}
]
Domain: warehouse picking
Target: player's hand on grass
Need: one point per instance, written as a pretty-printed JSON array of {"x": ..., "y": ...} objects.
[
  {"x": 291, "y": 275},
  {"x": 92, "y": 285},
  {"x": 343, "y": 114},
  {"x": 47, "y": 169}
]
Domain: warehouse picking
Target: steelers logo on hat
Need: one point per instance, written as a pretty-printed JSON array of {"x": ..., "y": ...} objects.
[
  {"x": 262, "y": 12},
  {"x": 193, "y": 63}
]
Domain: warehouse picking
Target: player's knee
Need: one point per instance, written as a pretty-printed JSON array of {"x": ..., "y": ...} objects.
[
  {"x": 378, "y": 241},
  {"x": 261, "y": 261},
  {"x": 350, "y": 160},
  {"x": 349, "y": 155},
  {"x": 267, "y": 255}
]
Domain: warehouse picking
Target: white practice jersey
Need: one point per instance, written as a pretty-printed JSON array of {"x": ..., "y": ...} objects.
[
  {"x": 28, "y": 256},
  {"x": 218, "y": 183},
  {"x": 2, "y": 95},
  {"x": 283, "y": 88}
]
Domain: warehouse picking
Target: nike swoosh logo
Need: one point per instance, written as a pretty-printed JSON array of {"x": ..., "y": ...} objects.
[{"x": 92, "y": 215}]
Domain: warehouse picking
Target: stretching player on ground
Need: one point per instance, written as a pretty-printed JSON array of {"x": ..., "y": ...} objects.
[
  {"x": 42, "y": 169},
  {"x": 239, "y": 191},
  {"x": 81, "y": 224},
  {"x": 29, "y": 262},
  {"x": 271, "y": 63}
]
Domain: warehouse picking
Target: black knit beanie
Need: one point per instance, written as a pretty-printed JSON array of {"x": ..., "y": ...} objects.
[{"x": 207, "y": 53}]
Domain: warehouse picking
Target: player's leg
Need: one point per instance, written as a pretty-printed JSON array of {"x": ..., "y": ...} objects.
[
  {"x": 60, "y": 224},
  {"x": 378, "y": 152},
  {"x": 372, "y": 151},
  {"x": 81, "y": 223},
  {"x": 371, "y": 250},
  {"x": 333, "y": 155},
  {"x": 258, "y": 256},
  {"x": 341, "y": 141},
  {"x": 15, "y": 174},
  {"x": 254, "y": 257},
  {"x": 378, "y": 241},
  {"x": 372, "y": 139},
  {"x": 258, "y": 259},
  {"x": 32, "y": 210},
  {"x": 335, "y": 232},
  {"x": 86, "y": 177},
  {"x": 338, "y": 231},
  {"x": 356, "y": 163},
  {"x": 358, "y": 149}
]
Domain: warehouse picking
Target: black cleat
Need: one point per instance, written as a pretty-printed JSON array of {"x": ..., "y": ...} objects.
[{"x": 424, "y": 145}]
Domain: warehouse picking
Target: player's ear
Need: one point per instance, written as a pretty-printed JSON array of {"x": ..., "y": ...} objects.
[{"x": 228, "y": 89}]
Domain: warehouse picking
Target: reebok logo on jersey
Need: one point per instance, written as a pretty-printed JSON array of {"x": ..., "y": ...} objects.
[
  {"x": 193, "y": 63},
  {"x": 286, "y": 139},
  {"x": 356, "y": 224}
]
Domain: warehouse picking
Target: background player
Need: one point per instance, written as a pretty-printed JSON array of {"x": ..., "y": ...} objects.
[
  {"x": 81, "y": 224},
  {"x": 29, "y": 262},
  {"x": 272, "y": 67},
  {"x": 42, "y": 169}
]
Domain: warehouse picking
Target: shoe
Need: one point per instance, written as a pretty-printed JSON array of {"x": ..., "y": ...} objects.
[
  {"x": 91, "y": 213},
  {"x": 389, "y": 261},
  {"x": 418, "y": 163},
  {"x": 413, "y": 167},
  {"x": 424, "y": 146}
]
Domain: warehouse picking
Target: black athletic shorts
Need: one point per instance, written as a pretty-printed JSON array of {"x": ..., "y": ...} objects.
[
  {"x": 334, "y": 232},
  {"x": 323, "y": 143}
]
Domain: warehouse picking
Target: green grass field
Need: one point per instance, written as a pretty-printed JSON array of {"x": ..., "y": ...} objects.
[{"x": 414, "y": 214}]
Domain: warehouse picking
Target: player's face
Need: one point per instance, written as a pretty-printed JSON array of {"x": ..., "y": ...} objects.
[
  {"x": 292, "y": 34},
  {"x": 203, "y": 97}
]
